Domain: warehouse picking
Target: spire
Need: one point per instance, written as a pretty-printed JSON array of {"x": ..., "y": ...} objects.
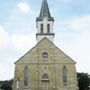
[{"x": 44, "y": 12}]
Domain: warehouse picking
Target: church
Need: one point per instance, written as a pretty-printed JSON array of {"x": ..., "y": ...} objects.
[{"x": 45, "y": 66}]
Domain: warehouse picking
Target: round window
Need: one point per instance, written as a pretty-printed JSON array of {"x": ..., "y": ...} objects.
[{"x": 45, "y": 55}]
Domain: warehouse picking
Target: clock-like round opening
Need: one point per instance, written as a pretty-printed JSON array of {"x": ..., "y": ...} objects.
[{"x": 45, "y": 55}]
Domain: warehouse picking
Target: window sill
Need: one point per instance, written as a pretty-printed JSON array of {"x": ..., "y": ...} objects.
[{"x": 45, "y": 80}]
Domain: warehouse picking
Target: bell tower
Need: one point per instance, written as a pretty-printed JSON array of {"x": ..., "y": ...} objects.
[{"x": 44, "y": 23}]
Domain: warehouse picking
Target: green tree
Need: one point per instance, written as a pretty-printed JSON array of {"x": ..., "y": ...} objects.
[
  {"x": 83, "y": 81},
  {"x": 6, "y": 85}
]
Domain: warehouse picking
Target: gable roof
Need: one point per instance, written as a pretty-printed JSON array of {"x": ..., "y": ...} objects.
[{"x": 50, "y": 43}]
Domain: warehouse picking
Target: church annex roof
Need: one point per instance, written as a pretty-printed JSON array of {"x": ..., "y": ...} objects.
[{"x": 44, "y": 12}]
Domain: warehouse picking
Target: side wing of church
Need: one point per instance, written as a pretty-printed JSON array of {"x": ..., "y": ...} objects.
[{"x": 45, "y": 66}]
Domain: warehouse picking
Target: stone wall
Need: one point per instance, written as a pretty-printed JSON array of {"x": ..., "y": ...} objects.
[{"x": 52, "y": 66}]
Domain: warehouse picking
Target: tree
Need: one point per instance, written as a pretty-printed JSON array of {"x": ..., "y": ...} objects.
[
  {"x": 83, "y": 81},
  {"x": 6, "y": 85}
]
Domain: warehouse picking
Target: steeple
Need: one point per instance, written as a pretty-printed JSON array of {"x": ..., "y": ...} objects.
[
  {"x": 44, "y": 23},
  {"x": 44, "y": 12}
]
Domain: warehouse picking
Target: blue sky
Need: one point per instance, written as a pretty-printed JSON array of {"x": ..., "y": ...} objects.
[{"x": 18, "y": 28}]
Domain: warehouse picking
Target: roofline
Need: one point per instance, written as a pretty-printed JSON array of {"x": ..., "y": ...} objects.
[
  {"x": 52, "y": 44},
  {"x": 41, "y": 19}
]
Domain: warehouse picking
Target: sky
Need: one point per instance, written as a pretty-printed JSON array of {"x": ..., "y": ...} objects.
[{"x": 18, "y": 29}]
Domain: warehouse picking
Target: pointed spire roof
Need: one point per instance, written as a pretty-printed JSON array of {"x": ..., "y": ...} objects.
[{"x": 44, "y": 12}]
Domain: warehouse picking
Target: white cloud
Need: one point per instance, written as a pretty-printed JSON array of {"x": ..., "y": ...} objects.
[
  {"x": 4, "y": 37},
  {"x": 24, "y": 7},
  {"x": 81, "y": 24},
  {"x": 74, "y": 40},
  {"x": 2, "y": 71},
  {"x": 76, "y": 24},
  {"x": 23, "y": 42},
  {"x": 74, "y": 1},
  {"x": 17, "y": 42},
  {"x": 6, "y": 71}
]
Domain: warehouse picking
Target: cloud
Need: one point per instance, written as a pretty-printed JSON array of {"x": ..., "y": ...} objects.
[
  {"x": 4, "y": 37},
  {"x": 9, "y": 45},
  {"x": 6, "y": 71},
  {"x": 81, "y": 24},
  {"x": 2, "y": 71},
  {"x": 23, "y": 42},
  {"x": 24, "y": 7},
  {"x": 76, "y": 24},
  {"x": 74, "y": 1},
  {"x": 74, "y": 40}
]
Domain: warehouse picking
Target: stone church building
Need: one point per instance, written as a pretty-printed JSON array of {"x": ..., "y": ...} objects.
[{"x": 45, "y": 66}]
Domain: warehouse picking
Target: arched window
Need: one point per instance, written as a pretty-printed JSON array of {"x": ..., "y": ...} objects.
[
  {"x": 45, "y": 77},
  {"x": 26, "y": 76},
  {"x": 64, "y": 71},
  {"x": 48, "y": 28},
  {"x": 41, "y": 28}
]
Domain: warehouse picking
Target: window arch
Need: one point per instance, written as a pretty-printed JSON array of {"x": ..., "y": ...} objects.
[
  {"x": 41, "y": 28},
  {"x": 26, "y": 76},
  {"x": 45, "y": 77},
  {"x": 48, "y": 28},
  {"x": 64, "y": 71}
]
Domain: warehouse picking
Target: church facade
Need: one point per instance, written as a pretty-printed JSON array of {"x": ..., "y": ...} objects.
[{"x": 45, "y": 66}]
